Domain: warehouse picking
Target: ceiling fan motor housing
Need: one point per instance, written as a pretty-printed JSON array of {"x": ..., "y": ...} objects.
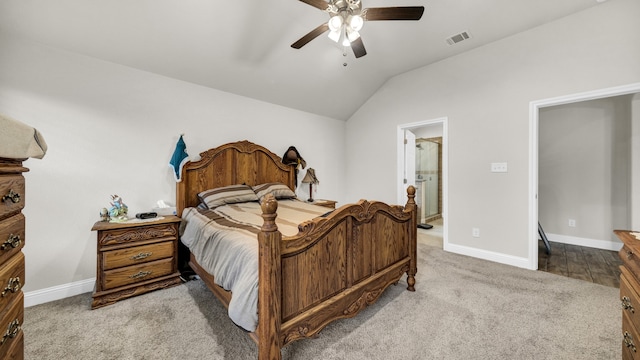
[{"x": 352, "y": 6}]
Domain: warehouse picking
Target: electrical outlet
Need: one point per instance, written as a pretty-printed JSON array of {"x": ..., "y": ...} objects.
[
  {"x": 572, "y": 223},
  {"x": 475, "y": 232}
]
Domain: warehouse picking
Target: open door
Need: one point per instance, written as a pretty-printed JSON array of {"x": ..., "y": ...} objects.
[{"x": 409, "y": 160}]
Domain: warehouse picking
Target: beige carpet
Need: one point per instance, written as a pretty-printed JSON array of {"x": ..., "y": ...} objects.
[{"x": 463, "y": 308}]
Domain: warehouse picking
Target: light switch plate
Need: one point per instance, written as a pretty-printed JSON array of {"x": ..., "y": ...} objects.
[{"x": 499, "y": 167}]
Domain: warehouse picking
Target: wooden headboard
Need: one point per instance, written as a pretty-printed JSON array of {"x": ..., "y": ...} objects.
[{"x": 241, "y": 162}]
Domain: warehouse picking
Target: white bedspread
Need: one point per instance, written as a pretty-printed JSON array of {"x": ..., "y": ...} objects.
[{"x": 224, "y": 242}]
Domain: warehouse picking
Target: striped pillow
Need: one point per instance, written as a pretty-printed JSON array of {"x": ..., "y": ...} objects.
[
  {"x": 279, "y": 191},
  {"x": 227, "y": 195}
]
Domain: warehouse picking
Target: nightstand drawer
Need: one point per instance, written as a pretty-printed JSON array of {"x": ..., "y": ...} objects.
[
  {"x": 136, "y": 273},
  {"x": 11, "y": 194},
  {"x": 141, "y": 233},
  {"x": 11, "y": 279},
  {"x": 136, "y": 255},
  {"x": 11, "y": 236}
]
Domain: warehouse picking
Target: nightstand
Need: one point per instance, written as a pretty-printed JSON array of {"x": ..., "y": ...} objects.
[
  {"x": 135, "y": 257},
  {"x": 326, "y": 203}
]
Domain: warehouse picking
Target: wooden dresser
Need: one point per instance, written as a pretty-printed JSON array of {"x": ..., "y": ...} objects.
[
  {"x": 630, "y": 294},
  {"x": 135, "y": 258},
  {"x": 12, "y": 270}
]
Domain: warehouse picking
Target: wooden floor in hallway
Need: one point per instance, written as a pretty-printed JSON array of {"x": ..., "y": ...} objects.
[{"x": 579, "y": 262}]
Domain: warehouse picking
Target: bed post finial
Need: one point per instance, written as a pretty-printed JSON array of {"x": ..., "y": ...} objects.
[
  {"x": 413, "y": 208},
  {"x": 269, "y": 207},
  {"x": 270, "y": 289}
]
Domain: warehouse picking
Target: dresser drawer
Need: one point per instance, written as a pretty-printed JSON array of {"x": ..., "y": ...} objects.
[
  {"x": 11, "y": 321},
  {"x": 136, "y": 273},
  {"x": 11, "y": 236},
  {"x": 11, "y": 279},
  {"x": 11, "y": 194},
  {"x": 630, "y": 256},
  {"x": 135, "y": 255},
  {"x": 15, "y": 351},
  {"x": 630, "y": 339},
  {"x": 134, "y": 234}
]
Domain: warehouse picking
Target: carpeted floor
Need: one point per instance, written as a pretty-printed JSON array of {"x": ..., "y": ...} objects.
[{"x": 464, "y": 308}]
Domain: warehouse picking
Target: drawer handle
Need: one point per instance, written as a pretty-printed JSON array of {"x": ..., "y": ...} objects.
[
  {"x": 13, "y": 196},
  {"x": 13, "y": 285},
  {"x": 626, "y": 304},
  {"x": 140, "y": 274},
  {"x": 141, "y": 256},
  {"x": 628, "y": 341},
  {"x": 629, "y": 254},
  {"x": 12, "y": 330},
  {"x": 13, "y": 241}
]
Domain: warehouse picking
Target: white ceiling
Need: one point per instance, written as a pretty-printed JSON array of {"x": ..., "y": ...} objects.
[{"x": 243, "y": 46}]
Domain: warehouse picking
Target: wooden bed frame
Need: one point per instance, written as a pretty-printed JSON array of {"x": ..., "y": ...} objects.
[{"x": 333, "y": 268}]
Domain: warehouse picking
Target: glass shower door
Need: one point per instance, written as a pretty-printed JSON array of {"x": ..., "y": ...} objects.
[{"x": 427, "y": 178}]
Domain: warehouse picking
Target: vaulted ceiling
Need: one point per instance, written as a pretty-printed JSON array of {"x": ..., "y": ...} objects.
[{"x": 243, "y": 46}]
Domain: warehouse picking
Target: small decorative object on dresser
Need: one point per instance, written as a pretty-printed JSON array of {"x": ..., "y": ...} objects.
[
  {"x": 118, "y": 210},
  {"x": 104, "y": 215},
  {"x": 135, "y": 257},
  {"x": 630, "y": 293}
]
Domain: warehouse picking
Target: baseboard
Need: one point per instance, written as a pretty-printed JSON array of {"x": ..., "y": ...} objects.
[
  {"x": 488, "y": 255},
  {"x": 592, "y": 243},
  {"x": 42, "y": 296}
]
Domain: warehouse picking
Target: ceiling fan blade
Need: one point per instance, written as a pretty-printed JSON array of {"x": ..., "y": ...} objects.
[
  {"x": 393, "y": 13},
  {"x": 358, "y": 48},
  {"x": 310, "y": 36},
  {"x": 320, "y": 4}
]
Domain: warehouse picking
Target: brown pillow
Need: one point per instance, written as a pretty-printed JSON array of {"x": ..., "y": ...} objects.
[
  {"x": 279, "y": 191},
  {"x": 227, "y": 195}
]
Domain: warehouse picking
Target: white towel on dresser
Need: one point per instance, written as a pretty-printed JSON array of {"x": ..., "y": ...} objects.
[{"x": 20, "y": 141}]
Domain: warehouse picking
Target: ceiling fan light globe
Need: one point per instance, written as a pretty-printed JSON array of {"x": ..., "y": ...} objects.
[
  {"x": 352, "y": 35},
  {"x": 335, "y": 23},
  {"x": 334, "y": 35},
  {"x": 355, "y": 22}
]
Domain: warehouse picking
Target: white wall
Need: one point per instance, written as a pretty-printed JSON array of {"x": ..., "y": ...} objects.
[
  {"x": 584, "y": 173},
  {"x": 485, "y": 93},
  {"x": 112, "y": 130}
]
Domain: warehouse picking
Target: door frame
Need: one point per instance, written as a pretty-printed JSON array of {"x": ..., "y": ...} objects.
[
  {"x": 534, "y": 112},
  {"x": 401, "y": 194}
]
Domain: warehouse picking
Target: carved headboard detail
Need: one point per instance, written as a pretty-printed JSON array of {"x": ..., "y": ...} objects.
[{"x": 241, "y": 162}]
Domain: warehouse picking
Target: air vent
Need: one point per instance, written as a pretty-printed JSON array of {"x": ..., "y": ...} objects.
[{"x": 458, "y": 38}]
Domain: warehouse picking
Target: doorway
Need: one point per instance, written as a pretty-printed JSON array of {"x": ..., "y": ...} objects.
[
  {"x": 534, "y": 113},
  {"x": 415, "y": 141}
]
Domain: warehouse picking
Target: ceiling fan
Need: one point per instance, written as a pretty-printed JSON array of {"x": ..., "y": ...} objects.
[{"x": 346, "y": 18}]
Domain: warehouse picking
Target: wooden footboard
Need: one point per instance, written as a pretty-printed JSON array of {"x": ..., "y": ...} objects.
[{"x": 333, "y": 268}]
